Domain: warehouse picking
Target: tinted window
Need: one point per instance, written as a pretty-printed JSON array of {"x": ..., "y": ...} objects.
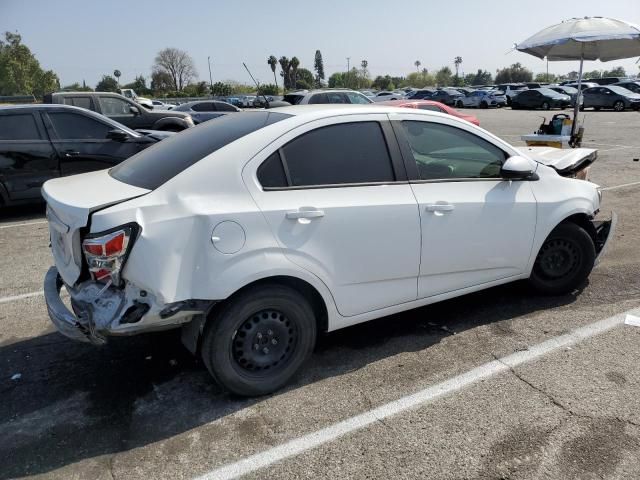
[
  {"x": 18, "y": 127},
  {"x": 225, "y": 107},
  {"x": 271, "y": 173},
  {"x": 76, "y": 126},
  {"x": 293, "y": 99},
  {"x": 336, "y": 97},
  {"x": 338, "y": 154},
  {"x": 319, "y": 98},
  {"x": 442, "y": 152},
  {"x": 203, "y": 107},
  {"x": 156, "y": 165},
  {"x": 114, "y": 106},
  {"x": 82, "y": 102}
]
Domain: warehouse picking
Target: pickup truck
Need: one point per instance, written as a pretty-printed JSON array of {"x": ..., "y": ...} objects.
[
  {"x": 123, "y": 110},
  {"x": 40, "y": 142}
]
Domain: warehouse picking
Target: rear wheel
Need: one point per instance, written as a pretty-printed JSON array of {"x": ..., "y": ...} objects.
[
  {"x": 545, "y": 106},
  {"x": 564, "y": 261},
  {"x": 259, "y": 339},
  {"x": 618, "y": 106},
  {"x": 597, "y": 109}
]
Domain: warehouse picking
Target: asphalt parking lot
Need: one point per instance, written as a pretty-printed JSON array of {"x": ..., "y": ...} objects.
[{"x": 509, "y": 385}]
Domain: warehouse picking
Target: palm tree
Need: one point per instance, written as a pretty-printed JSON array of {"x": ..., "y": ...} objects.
[
  {"x": 285, "y": 65},
  {"x": 273, "y": 62},
  {"x": 457, "y": 62},
  {"x": 294, "y": 71},
  {"x": 417, "y": 63}
]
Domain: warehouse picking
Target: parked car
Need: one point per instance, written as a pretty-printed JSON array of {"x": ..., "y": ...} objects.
[
  {"x": 465, "y": 90},
  {"x": 421, "y": 94},
  {"x": 40, "y": 142},
  {"x": 611, "y": 96},
  {"x": 158, "y": 105},
  {"x": 260, "y": 100},
  {"x": 384, "y": 96},
  {"x": 123, "y": 110},
  {"x": 482, "y": 99},
  {"x": 566, "y": 90},
  {"x": 235, "y": 101},
  {"x": 431, "y": 106},
  {"x": 304, "y": 97},
  {"x": 543, "y": 98},
  {"x": 247, "y": 101},
  {"x": 258, "y": 231},
  {"x": 203, "y": 110},
  {"x": 608, "y": 80},
  {"x": 511, "y": 90},
  {"x": 631, "y": 85},
  {"x": 448, "y": 96}
]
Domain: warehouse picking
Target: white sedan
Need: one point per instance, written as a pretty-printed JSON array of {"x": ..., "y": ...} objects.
[{"x": 257, "y": 231}]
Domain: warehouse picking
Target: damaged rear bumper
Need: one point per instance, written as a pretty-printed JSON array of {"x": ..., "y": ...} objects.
[
  {"x": 604, "y": 232},
  {"x": 99, "y": 311}
]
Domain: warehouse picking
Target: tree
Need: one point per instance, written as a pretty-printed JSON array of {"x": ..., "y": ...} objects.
[
  {"x": 305, "y": 79},
  {"x": 516, "y": 73},
  {"x": 294, "y": 72},
  {"x": 221, "y": 89},
  {"x": 419, "y": 79},
  {"x": 616, "y": 72},
  {"x": 161, "y": 82},
  {"x": 443, "y": 77},
  {"x": 591, "y": 74},
  {"x": 457, "y": 62},
  {"x": 76, "y": 87},
  {"x": 336, "y": 80},
  {"x": 318, "y": 66},
  {"x": 383, "y": 83},
  {"x": 178, "y": 65},
  {"x": 545, "y": 78},
  {"x": 20, "y": 71},
  {"x": 417, "y": 63},
  {"x": 285, "y": 67},
  {"x": 196, "y": 89},
  {"x": 268, "y": 89},
  {"x": 139, "y": 85},
  {"x": 482, "y": 77},
  {"x": 273, "y": 62},
  {"x": 107, "y": 84}
]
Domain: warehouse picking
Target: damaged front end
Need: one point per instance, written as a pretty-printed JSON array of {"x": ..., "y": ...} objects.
[
  {"x": 604, "y": 231},
  {"x": 570, "y": 163}
]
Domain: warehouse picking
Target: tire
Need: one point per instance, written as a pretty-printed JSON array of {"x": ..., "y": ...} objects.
[
  {"x": 484, "y": 105},
  {"x": 597, "y": 109},
  {"x": 564, "y": 261},
  {"x": 618, "y": 106},
  {"x": 459, "y": 104},
  {"x": 276, "y": 318},
  {"x": 545, "y": 106}
]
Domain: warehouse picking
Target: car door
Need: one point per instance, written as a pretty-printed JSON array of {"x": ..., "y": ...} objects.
[
  {"x": 27, "y": 159},
  {"x": 476, "y": 227},
  {"x": 82, "y": 144},
  {"x": 120, "y": 110},
  {"x": 335, "y": 194}
]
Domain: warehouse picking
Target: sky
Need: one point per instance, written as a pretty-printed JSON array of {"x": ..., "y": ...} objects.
[{"x": 83, "y": 40}]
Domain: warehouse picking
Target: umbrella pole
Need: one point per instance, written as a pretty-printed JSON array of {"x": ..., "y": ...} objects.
[{"x": 576, "y": 108}]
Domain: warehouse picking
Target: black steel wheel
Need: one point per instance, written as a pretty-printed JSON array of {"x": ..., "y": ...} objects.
[
  {"x": 258, "y": 339},
  {"x": 564, "y": 261}
]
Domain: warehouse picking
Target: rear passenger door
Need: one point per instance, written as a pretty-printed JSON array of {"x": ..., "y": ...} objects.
[
  {"x": 27, "y": 159},
  {"x": 336, "y": 197}
]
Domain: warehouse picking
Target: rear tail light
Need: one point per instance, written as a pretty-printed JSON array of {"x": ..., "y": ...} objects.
[{"x": 106, "y": 253}]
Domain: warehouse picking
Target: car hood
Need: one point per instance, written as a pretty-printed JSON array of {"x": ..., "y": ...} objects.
[
  {"x": 156, "y": 134},
  {"x": 70, "y": 201},
  {"x": 564, "y": 161}
]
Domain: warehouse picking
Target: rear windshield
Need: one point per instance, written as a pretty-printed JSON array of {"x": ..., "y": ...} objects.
[
  {"x": 156, "y": 165},
  {"x": 293, "y": 99}
]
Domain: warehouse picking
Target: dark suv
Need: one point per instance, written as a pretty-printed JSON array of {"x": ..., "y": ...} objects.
[
  {"x": 39, "y": 142},
  {"x": 123, "y": 110}
]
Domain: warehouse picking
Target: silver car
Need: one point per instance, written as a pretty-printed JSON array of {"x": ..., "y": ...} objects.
[
  {"x": 307, "y": 97},
  {"x": 483, "y": 99}
]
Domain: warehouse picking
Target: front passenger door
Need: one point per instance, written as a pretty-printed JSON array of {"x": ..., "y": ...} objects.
[{"x": 476, "y": 226}]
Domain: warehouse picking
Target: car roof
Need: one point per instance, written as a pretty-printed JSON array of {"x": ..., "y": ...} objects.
[{"x": 313, "y": 112}]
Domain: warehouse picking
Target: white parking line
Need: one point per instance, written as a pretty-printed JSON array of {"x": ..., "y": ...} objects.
[
  {"x": 621, "y": 186},
  {"x": 24, "y": 224},
  {"x": 418, "y": 399},
  {"x": 21, "y": 297}
]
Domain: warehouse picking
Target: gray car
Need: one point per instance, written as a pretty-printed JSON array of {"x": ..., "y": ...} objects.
[
  {"x": 610, "y": 96},
  {"x": 304, "y": 97},
  {"x": 203, "y": 110}
]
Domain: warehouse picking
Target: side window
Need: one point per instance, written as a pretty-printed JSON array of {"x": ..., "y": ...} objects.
[
  {"x": 203, "y": 107},
  {"x": 318, "y": 98},
  {"x": 73, "y": 126},
  {"x": 271, "y": 173},
  {"x": 339, "y": 154},
  {"x": 357, "y": 98},
  {"x": 336, "y": 97},
  {"x": 18, "y": 127},
  {"x": 224, "y": 107},
  {"x": 114, "y": 106},
  {"x": 444, "y": 152},
  {"x": 82, "y": 102}
]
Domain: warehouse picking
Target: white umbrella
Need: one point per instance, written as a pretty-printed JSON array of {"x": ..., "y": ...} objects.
[{"x": 588, "y": 38}]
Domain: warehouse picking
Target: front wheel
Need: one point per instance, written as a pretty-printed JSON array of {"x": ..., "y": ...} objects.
[
  {"x": 618, "y": 106},
  {"x": 546, "y": 106},
  {"x": 259, "y": 339},
  {"x": 459, "y": 104},
  {"x": 564, "y": 261}
]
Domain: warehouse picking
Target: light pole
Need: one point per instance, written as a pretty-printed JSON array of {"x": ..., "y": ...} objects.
[{"x": 210, "y": 77}]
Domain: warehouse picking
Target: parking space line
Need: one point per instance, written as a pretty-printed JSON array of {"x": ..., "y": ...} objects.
[
  {"x": 21, "y": 297},
  {"x": 24, "y": 224},
  {"x": 423, "y": 397},
  {"x": 621, "y": 186}
]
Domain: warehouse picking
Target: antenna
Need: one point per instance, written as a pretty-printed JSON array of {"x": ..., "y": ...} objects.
[{"x": 257, "y": 85}]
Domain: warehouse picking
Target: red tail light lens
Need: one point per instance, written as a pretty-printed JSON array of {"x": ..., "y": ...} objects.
[{"x": 105, "y": 254}]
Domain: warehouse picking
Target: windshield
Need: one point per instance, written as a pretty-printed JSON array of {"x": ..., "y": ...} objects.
[{"x": 158, "y": 164}]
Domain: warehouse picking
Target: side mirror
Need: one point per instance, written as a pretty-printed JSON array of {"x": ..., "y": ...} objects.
[
  {"x": 117, "y": 135},
  {"x": 517, "y": 168},
  {"x": 134, "y": 110}
]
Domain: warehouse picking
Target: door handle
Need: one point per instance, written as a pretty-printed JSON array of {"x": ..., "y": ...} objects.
[
  {"x": 298, "y": 214},
  {"x": 440, "y": 207},
  {"x": 71, "y": 153}
]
